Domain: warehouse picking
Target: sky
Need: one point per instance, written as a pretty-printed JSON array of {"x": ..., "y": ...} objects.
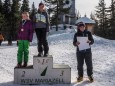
[{"x": 84, "y": 6}]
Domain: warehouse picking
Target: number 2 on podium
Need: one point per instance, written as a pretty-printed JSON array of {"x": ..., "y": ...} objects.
[{"x": 23, "y": 74}]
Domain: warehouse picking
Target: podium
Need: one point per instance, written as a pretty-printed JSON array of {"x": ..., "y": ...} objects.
[{"x": 43, "y": 71}]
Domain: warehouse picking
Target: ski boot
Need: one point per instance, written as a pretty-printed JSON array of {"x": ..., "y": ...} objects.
[
  {"x": 79, "y": 79},
  {"x": 91, "y": 79}
]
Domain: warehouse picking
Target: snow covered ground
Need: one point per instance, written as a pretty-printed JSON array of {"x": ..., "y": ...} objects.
[{"x": 64, "y": 53}]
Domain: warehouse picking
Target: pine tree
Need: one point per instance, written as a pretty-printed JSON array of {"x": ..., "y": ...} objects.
[
  {"x": 1, "y": 6},
  {"x": 7, "y": 17},
  {"x": 15, "y": 17},
  {"x": 1, "y": 22},
  {"x": 101, "y": 15},
  {"x": 33, "y": 11},
  {"x": 1, "y": 15},
  {"x": 56, "y": 9},
  {"x": 92, "y": 16},
  {"x": 112, "y": 20},
  {"x": 25, "y": 6},
  {"x": 7, "y": 9}
]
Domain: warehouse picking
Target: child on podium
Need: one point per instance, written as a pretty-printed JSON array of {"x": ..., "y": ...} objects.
[{"x": 25, "y": 35}]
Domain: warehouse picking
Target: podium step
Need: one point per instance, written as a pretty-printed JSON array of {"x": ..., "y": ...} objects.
[
  {"x": 61, "y": 66},
  {"x": 28, "y": 67},
  {"x": 43, "y": 71}
]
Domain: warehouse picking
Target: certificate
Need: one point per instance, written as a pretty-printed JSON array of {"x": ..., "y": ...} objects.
[{"x": 83, "y": 43}]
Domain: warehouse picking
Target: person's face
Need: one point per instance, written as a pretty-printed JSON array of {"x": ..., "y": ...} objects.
[
  {"x": 82, "y": 28},
  {"x": 24, "y": 16},
  {"x": 41, "y": 7}
]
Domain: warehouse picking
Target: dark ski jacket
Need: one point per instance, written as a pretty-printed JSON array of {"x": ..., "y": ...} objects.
[
  {"x": 85, "y": 33},
  {"x": 27, "y": 33}
]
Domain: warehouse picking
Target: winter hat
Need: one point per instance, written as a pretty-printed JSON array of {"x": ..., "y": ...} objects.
[
  {"x": 80, "y": 24},
  {"x": 41, "y": 3}
]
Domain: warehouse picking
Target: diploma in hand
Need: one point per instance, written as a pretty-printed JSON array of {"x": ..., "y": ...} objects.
[{"x": 83, "y": 43}]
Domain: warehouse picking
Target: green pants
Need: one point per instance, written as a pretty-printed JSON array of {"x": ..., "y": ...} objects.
[{"x": 23, "y": 51}]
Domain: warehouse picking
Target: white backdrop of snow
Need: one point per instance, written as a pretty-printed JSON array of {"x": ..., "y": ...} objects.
[{"x": 64, "y": 52}]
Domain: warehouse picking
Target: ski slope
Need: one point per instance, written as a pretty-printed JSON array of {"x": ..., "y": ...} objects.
[{"x": 63, "y": 52}]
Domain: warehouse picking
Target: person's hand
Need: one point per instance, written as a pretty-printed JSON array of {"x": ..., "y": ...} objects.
[
  {"x": 77, "y": 43},
  {"x": 88, "y": 41}
]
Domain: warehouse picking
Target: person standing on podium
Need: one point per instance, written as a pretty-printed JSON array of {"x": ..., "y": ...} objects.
[
  {"x": 25, "y": 35},
  {"x": 41, "y": 25}
]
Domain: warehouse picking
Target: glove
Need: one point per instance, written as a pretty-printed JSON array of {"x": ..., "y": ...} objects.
[
  {"x": 77, "y": 43},
  {"x": 88, "y": 41}
]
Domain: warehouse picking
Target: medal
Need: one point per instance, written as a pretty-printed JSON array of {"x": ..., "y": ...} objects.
[
  {"x": 22, "y": 29},
  {"x": 23, "y": 23}
]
